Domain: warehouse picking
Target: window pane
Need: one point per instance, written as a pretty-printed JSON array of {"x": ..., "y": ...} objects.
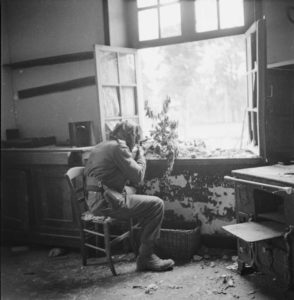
[
  {"x": 148, "y": 24},
  {"x": 170, "y": 20},
  {"x": 134, "y": 120},
  {"x": 206, "y": 15},
  {"x": 231, "y": 13},
  {"x": 146, "y": 3},
  {"x": 111, "y": 102},
  {"x": 167, "y": 1},
  {"x": 128, "y": 101},
  {"x": 127, "y": 68},
  {"x": 109, "y": 71},
  {"x": 109, "y": 126}
]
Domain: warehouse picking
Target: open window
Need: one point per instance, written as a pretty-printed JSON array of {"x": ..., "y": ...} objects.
[
  {"x": 241, "y": 112},
  {"x": 256, "y": 83},
  {"x": 117, "y": 86},
  {"x": 217, "y": 88}
]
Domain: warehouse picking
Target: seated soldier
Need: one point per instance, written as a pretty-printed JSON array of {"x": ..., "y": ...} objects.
[{"x": 112, "y": 164}]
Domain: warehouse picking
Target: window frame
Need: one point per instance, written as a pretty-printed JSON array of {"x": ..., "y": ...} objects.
[
  {"x": 158, "y": 6},
  {"x": 256, "y": 61},
  {"x": 252, "y": 12},
  {"x": 119, "y": 85}
]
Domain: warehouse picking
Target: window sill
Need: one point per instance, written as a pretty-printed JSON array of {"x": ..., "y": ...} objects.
[{"x": 202, "y": 166}]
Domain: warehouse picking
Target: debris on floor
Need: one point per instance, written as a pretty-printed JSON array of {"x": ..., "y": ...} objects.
[
  {"x": 233, "y": 266},
  {"x": 151, "y": 288},
  {"x": 32, "y": 275},
  {"x": 197, "y": 257},
  {"x": 56, "y": 252}
]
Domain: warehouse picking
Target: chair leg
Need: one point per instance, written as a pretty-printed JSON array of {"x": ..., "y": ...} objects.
[
  {"x": 108, "y": 247},
  {"x": 132, "y": 238}
]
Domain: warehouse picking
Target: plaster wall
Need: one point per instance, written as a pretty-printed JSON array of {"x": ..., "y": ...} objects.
[
  {"x": 44, "y": 28},
  {"x": 280, "y": 31},
  {"x": 7, "y": 105},
  {"x": 118, "y": 34},
  {"x": 41, "y": 28}
]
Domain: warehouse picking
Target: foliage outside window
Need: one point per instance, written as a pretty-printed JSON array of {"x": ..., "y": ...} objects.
[{"x": 206, "y": 82}]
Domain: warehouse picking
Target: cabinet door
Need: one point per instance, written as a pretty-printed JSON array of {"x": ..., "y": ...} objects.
[
  {"x": 15, "y": 202},
  {"x": 280, "y": 115},
  {"x": 53, "y": 212}
]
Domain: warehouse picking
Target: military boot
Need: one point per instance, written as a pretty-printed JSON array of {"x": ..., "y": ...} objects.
[{"x": 148, "y": 261}]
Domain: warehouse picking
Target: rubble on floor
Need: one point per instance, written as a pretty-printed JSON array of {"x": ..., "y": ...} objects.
[{"x": 32, "y": 274}]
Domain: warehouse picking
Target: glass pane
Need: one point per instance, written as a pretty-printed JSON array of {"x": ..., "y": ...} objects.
[
  {"x": 167, "y": 1},
  {"x": 109, "y": 126},
  {"x": 231, "y": 13},
  {"x": 148, "y": 24},
  {"x": 111, "y": 102},
  {"x": 134, "y": 120},
  {"x": 206, "y": 15},
  {"x": 127, "y": 68},
  {"x": 109, "y": 71},
  {"x": 170, "y": 20},
  {"x": 128, "y": 101},
  {"x": 146, "y": 3}
]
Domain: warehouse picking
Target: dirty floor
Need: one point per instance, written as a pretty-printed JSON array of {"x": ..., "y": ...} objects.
[{"x": 29, "y": 273}]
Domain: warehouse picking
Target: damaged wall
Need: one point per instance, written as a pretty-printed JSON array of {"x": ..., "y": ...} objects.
[{"x": 196, "y": 191}]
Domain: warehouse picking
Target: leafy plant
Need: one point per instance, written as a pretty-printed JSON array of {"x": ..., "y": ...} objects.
[{"x": 163, "y": 134}]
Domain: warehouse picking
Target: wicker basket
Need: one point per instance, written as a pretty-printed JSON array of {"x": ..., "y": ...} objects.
[{"x": 178, "y": 244}]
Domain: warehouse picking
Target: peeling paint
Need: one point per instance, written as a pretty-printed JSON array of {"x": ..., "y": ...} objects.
[{"x": 199, "y": 198}]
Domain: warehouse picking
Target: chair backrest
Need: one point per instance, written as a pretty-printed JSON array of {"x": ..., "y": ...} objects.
[{"x": 75, "y": 180}]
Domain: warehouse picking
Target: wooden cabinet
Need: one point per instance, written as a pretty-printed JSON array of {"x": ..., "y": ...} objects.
[
  {"x": 265, "y": 217},
  {"x": 36, "y": 200},
  {"x": 53, "y": 216},
  {"x": 15, "y": 212},
  {"x": 280, "y": 115}
]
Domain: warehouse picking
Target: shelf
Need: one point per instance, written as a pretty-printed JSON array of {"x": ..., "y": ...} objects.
[
  {"x": 284, "y": 65},
  {"x": 254, "y": 232},
  {"x": 273, "y": 216},
  {"x": 57, "y": 87},
  {"x": 60, "y": 59}
]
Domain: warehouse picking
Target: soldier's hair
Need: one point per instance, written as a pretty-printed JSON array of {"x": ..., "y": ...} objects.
[{"x": 128, "y": 131}]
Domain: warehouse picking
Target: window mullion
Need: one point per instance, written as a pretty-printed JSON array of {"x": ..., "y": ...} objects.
[
  {"x": 119, "y": 84},
  {"x": 218, "y": 14},
  {"x": 159, "y": 23}
]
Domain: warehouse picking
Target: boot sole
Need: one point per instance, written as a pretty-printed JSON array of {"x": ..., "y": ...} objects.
[{"x": 166, "y": 268}]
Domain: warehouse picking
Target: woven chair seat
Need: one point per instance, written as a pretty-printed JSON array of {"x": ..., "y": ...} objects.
[{"x": 88, "y": 216}]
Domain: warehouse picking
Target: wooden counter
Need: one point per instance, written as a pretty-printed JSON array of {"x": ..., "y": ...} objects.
[
  {"x": 36, "y": 201},
  {"x": 283, "y": 174}
]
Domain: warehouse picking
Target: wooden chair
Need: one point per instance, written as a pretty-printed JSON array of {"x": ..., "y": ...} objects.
[{"x": 92, "y": 227}]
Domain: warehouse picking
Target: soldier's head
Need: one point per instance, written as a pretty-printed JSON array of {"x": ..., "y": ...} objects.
[{"x": 127, "y": 131}]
